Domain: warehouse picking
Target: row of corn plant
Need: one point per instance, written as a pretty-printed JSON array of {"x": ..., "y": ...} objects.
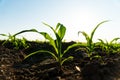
[
  {"x": 59, "y": 33},
  {"x": 56, "y": 42}
]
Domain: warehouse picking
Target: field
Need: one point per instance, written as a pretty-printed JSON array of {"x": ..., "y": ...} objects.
[
  {"x": 44, "y": 67},
  {"x": 53, "y": 59}
]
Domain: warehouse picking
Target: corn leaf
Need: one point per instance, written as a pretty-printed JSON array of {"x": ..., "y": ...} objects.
[
  {"x": 31, "y": 30},
  {"x": 92, "y": 34},
  {"x": 70, "y": 47},
  {"x": 52, "y": 42},
  {"x": 61, "y": 31},
  {"x": 85, "y": 35},
  {"x": 58, "y": 25},
  {"x": 42, "y": 51},
  {"x": 3, "y": 34},
  {"x": 66, "y": 59},
  {"x": 46, "y": 35},
  {"x": 115, "y": 39}
]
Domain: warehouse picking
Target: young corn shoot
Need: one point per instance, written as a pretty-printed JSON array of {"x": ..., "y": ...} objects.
[
  {"x": 89, "y": 38},
  {"x": 56, "y": 43}
]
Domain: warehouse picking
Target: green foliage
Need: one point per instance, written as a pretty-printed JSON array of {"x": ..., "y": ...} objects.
[
  {"x": 15, "y": 42},
  {"x": 109, "y": 47},
  {"x": 59, "y": 33},
  {"x": 90, "y": 44}
]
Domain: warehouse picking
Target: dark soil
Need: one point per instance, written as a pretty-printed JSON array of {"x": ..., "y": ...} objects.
[{"x": 44, "y": 67}]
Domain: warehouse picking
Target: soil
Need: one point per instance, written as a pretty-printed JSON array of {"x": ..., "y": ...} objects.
[{"x": 44, "y": 67}]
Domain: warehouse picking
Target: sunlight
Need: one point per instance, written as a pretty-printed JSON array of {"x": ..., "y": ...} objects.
[{"x": 81, "y": 21}]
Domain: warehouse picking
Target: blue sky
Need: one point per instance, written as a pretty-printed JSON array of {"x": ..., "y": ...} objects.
[{"x": 76, "y": 15}]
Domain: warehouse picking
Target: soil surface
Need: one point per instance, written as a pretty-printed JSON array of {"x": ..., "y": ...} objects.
[{"x": 44, "y": 67}]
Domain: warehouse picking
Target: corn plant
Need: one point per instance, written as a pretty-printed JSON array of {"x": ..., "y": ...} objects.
[
  {"x": 15, "y": 42},
  {"x": 56, "y": 43},
  {"x": 90, "y": 44},
  {"x": 109, "y": 47}
]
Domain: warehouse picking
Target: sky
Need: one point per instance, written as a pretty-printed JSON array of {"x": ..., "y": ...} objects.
[{"x": 75, "y": 15}]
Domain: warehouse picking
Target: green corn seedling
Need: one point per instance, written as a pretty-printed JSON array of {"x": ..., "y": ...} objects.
[
  {"x": 56, "y": 43},
  {"x": 90, "y": 44}
]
